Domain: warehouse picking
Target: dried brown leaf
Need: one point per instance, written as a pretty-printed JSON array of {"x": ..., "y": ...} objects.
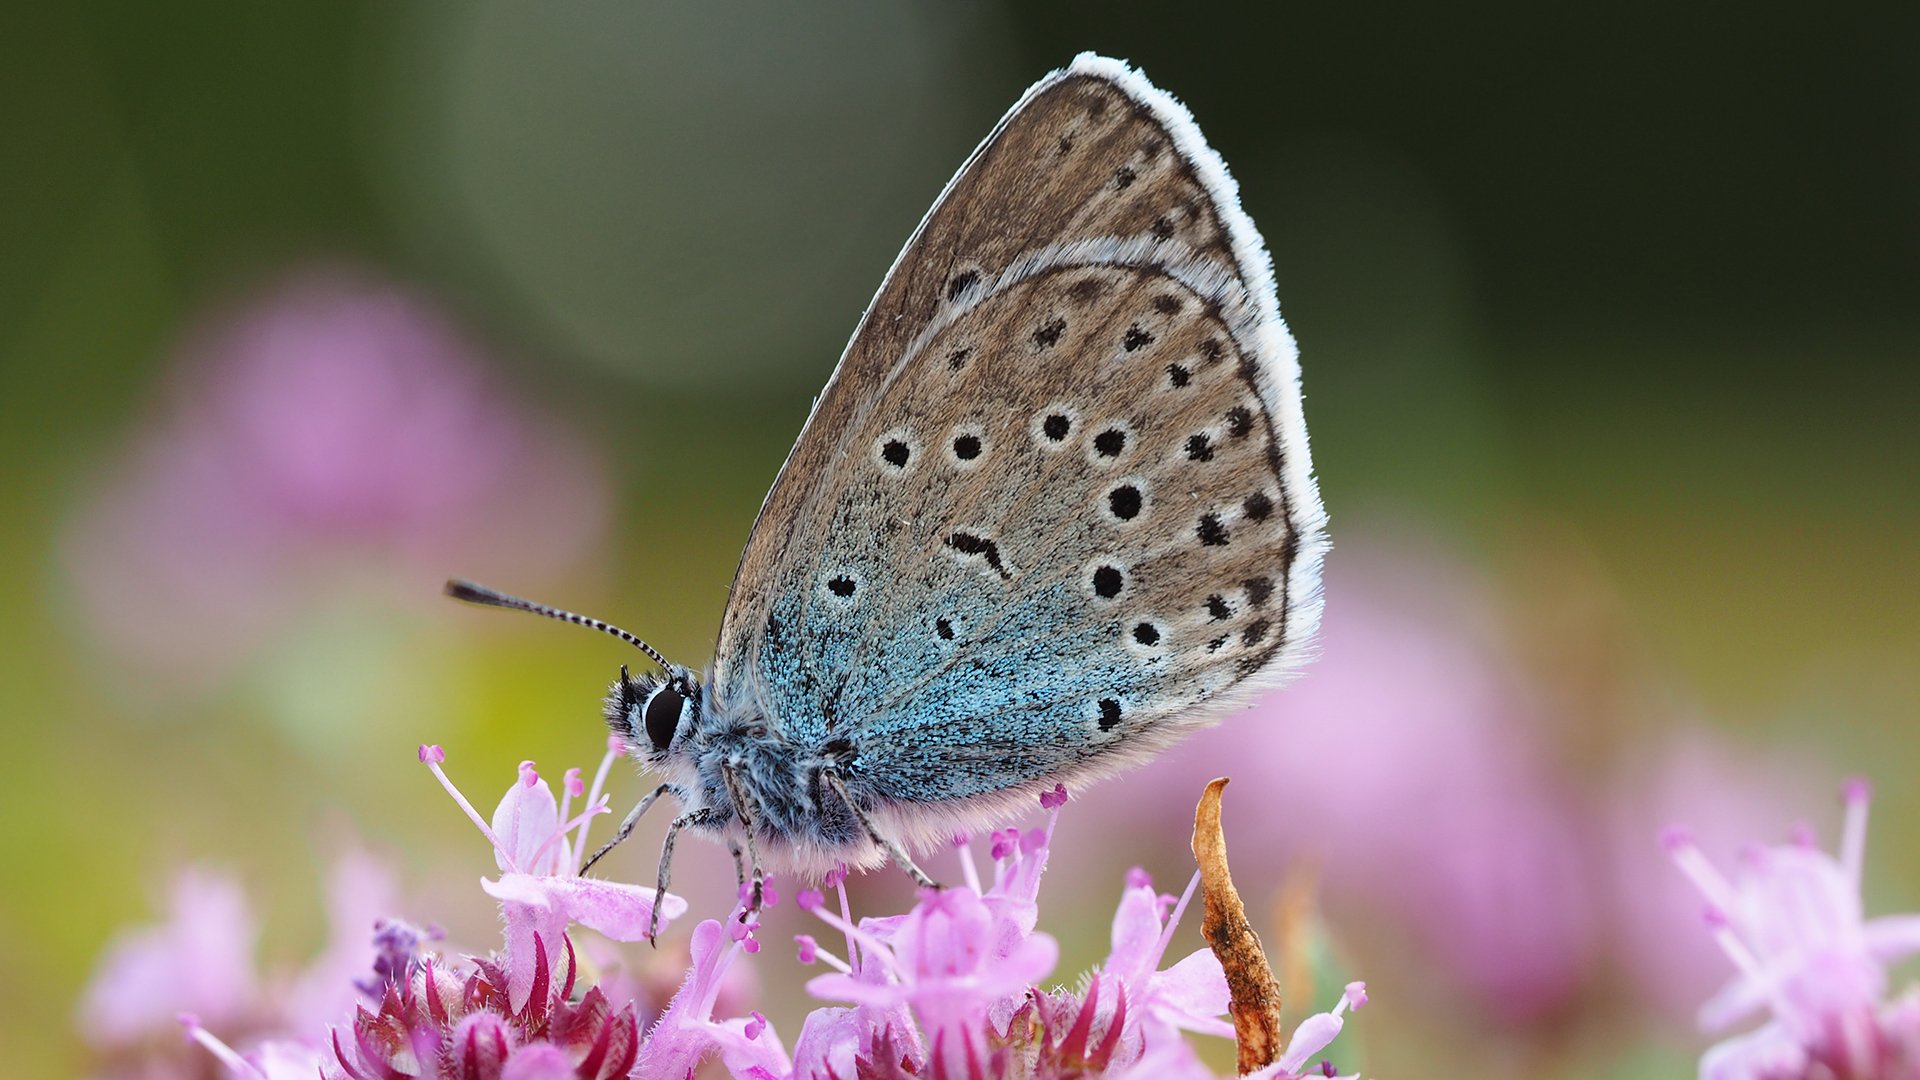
[{"x": 1255, "y": 998}]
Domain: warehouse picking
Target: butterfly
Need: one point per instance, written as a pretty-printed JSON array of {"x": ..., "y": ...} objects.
[{"x": 1053, "y": 511}]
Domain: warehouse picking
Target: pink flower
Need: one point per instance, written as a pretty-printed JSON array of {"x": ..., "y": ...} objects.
[
  {"x": 688, "y": 1033},
  {"x": 1189, "y": 996},
  {"x": 947, "y": 988},
  {"x": 540, "y": 888},
  {"x": 959, "y": 957},
  {"x": 334, "y": 431},
  {"x": 1792, "y": 922},
  {"x": 453, "y": 1021},
  {"x": 958, "y": 974},
  {"x": 1726, "y": 794},
  {"x": 200, "y": 962}
]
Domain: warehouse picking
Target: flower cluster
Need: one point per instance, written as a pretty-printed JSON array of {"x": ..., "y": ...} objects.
[
  {"x": 1792, "y": 922},
  {"x": 332, "y": 438},
  {"x": 951, "y": 988}
]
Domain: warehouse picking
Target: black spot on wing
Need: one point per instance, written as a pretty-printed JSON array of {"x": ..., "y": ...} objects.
[
  {"x": 971, "y": 544},
  {"x": 1259, "y": 590},
  {"x": 1086, "y": 290},
  {"x": 1211, "y": 532},
  {"x": 1239, "y": 421}
]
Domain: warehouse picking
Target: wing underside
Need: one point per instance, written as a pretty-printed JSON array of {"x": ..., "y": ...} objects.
[{"x": 1055, "y": 505}]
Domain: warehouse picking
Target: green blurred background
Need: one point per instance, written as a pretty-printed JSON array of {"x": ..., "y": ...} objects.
[{"x": 1616, "y": 307}]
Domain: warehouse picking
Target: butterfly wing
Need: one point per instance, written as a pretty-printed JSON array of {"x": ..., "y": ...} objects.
[{"x": 1055, "y": 505}]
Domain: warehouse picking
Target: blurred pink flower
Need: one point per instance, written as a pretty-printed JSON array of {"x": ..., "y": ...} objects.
[
  {"x": 199, "y": 963},
  {"x": 1408, "y": 764},
  {"x": 199, "y": 960},
  {"x": 1792, "y": 923},
  {"x": 1727, "y": 796},
  {"x": 332, "y": 428}
]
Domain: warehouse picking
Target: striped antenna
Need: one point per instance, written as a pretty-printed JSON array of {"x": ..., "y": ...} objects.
[{"x": 472, "y": 593}]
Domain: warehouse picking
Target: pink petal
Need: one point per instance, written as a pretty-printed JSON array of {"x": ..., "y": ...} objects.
[
  {"x": 1797, "y": 900},
  {"x": 284, "y": 1059},
  {"x": 526, "y": 909},
  {"x": 830, "y": 1041},
  {"x": 1197, "y": 983},
  {"x": 525, "y": 819},
  {"x": 742, "y": 1055},
  {"x": 1767, "y": 1051},
  {"x": 1311, "y": 1037},
  {"x": 1740, "y": 998},
  {"x": 1136, "y": 933},
  {"x": 1169, "y": 1061},
  {"x": 1195, "y": 989},
  {"x": 616, "y": 909},
  {"x": 1029, "y": 963},
  {"x": 1892, "y": 938},
  {"x": 684, "y": 1034},
  {"x": 838, "y": 987}
]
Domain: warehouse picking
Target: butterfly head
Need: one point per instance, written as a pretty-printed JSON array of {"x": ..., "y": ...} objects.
[{"x": 652, "y": 713}]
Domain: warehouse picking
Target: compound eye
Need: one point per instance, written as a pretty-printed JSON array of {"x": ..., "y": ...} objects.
[{"x": 663, "y": 715}]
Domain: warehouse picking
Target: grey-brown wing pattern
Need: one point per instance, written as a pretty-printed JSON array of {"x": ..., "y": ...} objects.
[{"x": 1055, "y": 503}]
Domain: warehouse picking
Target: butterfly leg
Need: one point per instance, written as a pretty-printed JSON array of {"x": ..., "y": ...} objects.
[
  {"x": 739, "y": 861},
  {"x": 706, "y": 815},
  {"x": 890, "y": 846},
  {"x": 743, "y": 806},
  {"x": 626, "y": 826}
]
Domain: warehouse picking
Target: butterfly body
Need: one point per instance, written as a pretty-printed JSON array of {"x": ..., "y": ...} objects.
[{"x": 1053, "y": 511}]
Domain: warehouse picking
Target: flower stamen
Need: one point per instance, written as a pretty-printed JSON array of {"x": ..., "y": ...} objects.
[
  {"x": 614, "y": 750},
  {"x": 432, "y": 756},
  {"x": 226, "y": 1054}
]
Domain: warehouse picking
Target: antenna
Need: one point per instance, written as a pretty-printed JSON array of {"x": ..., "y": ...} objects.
[{"x": 472, "y": 593}]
